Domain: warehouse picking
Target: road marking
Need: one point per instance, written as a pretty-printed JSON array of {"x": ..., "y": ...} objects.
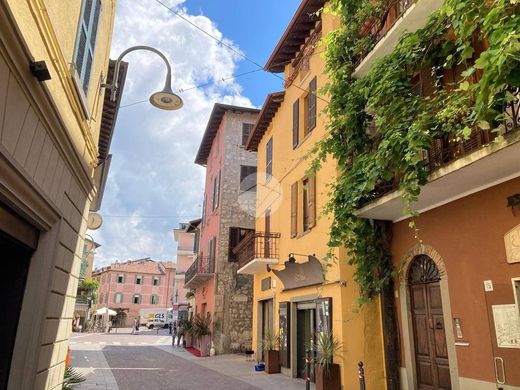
[
  {"x": 131, "y": 343},
  {"x": 73, "y": 342},
  {"x": 116, "y": 343},
  {"x": 87, "y": 342},
  {"x": 102, "y": 342},
  {"x": 125, "y": 368}
]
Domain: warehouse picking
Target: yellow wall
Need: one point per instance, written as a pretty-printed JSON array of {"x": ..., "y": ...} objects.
[
  {"x": 49, "y": 29},
  {"x": 360, "y": 333}
]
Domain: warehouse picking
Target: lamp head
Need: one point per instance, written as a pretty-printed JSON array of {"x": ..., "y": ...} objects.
[{"x": 166, "y": 100}]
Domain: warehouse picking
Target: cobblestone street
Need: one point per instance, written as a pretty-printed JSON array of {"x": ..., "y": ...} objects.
[{"x": 121, "y": 361}]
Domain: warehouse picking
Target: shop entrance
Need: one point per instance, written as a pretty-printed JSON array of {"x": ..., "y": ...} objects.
[
  {"x": 304, "y": 336},
  {"x": 16, "y": 258},
  {"x": 431, "y": 352},
  {"x": 266, "y": 308}
]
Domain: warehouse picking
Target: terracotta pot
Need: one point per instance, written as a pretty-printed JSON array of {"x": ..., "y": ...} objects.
[
  {"x": 328, "y": 380},
  {"x": 204, "y": 342},
  {"x": 272, "y": 362}
]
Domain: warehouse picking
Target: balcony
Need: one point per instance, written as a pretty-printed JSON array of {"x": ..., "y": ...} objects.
[
  {"x": 256, "y": 251},
  {"x": 456, "y": 169},
  {"x": 199, "y": 272},
  {"x": 403, "y": 16}
]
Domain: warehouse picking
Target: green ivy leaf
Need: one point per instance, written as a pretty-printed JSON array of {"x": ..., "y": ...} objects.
[{"x": 484, "y": 125}]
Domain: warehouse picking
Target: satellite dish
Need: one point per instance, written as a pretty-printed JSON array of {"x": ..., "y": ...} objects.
[{"x": 94, "y": 221}]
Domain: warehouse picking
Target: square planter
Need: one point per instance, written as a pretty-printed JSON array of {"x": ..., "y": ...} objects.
[
  {"x": 272, "y": 362},
  {"x": 204, "y": 342},
  {"x": 328, "y": 380},
  {"x": 187, "y": 340}
]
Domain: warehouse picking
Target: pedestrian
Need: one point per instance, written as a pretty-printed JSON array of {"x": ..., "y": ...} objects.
[
  {"x": 174, "y": 331},
  {"x": 170, "y": 325},
  {"x": 135, "y": 327},
  {"x": 179, "y": 332}
]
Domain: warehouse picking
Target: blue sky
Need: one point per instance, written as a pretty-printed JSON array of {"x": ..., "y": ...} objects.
[{"x": 153, "y": 183}]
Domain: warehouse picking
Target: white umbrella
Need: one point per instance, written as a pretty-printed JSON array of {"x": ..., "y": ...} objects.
[{"x": 106, "y": 310}]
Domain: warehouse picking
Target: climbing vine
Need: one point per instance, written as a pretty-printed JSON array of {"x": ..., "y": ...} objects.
[{"x": 477, "y": 39}]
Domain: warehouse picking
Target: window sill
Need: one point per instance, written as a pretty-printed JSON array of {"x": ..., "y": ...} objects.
[
  {"x": 303, "y": 234},
  {"x": 79, "y": 90},
  {"x": 303, "y": 139}
]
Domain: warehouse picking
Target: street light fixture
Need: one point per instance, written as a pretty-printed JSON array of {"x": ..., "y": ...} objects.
[{"x": 165, "y": 99}]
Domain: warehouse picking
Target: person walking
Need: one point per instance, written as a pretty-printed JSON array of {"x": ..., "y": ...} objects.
[
  {"x": 179, "y": 331},
  {"x": 173, "y": 328},
  {"x": 135, "y": 327}
]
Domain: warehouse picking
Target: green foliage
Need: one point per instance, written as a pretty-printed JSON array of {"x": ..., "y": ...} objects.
[
  {"x": 185, "y": 326},
  {"x": 89, "y": 285},
  {"x": 72, "y": 378},
  {"x": 271, "y": 341},
  {"x": 325, "y": 348},
  {"x": 201, "y": 325},
  {"x": 407, "y": 122}
]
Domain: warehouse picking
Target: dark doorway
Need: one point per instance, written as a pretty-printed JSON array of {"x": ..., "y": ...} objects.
[
  {"x": 304, "y": 337},
  {"x": 431, "y": 352},
  {"x": 16, "y": 258},
  {"x": 267, "y": 320}
]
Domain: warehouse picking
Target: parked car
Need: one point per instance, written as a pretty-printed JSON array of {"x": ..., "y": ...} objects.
[{"x": 155, "y": 323}]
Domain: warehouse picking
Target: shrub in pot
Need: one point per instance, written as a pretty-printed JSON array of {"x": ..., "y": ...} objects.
[
  {"x": 271, "y": 348},
  {"x": 202, "y": 333},
  {"x": 185, "y": 330},
  {"x": 327, "y": 373}
]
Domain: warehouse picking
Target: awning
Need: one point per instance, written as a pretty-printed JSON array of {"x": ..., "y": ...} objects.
[{"x": 105, "y": 310}]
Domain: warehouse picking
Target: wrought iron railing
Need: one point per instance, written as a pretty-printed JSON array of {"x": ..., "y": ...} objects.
[
  {"x": 202, "y": 265},
  {"x": 257, "y": 245},
  {"x": 377, "y": 27}
]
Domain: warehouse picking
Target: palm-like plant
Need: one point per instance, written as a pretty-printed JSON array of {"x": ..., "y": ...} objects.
[
  {"x": 201, "y": 325},
  {"x": 72, "y": 378},
  {"x": 326, "y": 347},
  {"x": 271, "y": 341}
]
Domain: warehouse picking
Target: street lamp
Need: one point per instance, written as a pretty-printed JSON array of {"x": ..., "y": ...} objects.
[{"x": 165, "y": 99}]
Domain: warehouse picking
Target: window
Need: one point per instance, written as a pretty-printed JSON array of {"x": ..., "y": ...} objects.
[
  {"x": 154, "y": 299},
  {"x": 294, "y": 209},
  {"x": 305, "y": 204},
  {"x": 120, "y": 278},
  {"x": 86, "y": 41},
  {"x": 269, "y": 159},
  {"x": 306, "y": 208},
  {"x": 246, "y": 129},
  {"x": 196, "y": 241},
  {"x": 118, "y": 298},
  {"x": 155, "y": 281},
  {"x": 296, "y": 124},
  {"x": 310, "y": 107},
  {"x": 136, "y": 299},
  {"x": 247, "y": 178},
  {"x": 203, "y": 210},
  {"x": 138, "y": 279},
  {"x": 216, "y": 190},
  {"x": 236, "y": 235}
]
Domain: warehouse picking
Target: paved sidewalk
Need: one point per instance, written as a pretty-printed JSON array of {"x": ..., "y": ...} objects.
[{"x": 100, "y": 378}]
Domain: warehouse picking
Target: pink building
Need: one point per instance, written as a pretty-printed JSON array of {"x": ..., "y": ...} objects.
[
  {"x": 134, "y": 285},
  {"x": 185, "y": 238}
]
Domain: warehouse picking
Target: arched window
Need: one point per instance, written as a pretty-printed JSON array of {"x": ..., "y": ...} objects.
[{"x": 423, "y": 270}]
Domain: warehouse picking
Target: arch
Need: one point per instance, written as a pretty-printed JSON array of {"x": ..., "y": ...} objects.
[{"x": 408, "y": 373}]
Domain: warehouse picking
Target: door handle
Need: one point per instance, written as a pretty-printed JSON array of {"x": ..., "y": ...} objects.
[{"x": 496, "y": 360}]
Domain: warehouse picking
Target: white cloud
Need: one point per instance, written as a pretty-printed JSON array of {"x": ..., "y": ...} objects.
[{"x": 152, "y": 171}]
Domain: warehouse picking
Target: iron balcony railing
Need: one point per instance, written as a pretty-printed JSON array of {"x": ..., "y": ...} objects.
[
  {"x": 202, "y": 265},
  {"x": 447, "y": 149},
  {"x": 257, "y": 245}
]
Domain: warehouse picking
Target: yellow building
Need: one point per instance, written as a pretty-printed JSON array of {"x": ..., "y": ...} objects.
[
  {"x": 55, "y": 131},
  {"x": 296, "y": 295}
]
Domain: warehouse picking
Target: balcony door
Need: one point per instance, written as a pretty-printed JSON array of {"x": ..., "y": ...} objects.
[
  {"x": 267, "y": 241},
  {"x": 431, "y": 352}
]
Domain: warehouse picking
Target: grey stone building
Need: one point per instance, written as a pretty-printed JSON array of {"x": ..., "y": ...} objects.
[{"x": 230, "y": 187}]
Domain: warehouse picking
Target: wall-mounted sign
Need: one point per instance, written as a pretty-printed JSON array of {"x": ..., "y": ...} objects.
[
  {"x": 488, "y": 285},
  {"x": 507, "y": 326},
  {"x": 296, "y": 275},
  {"x": 266, "y": 284},
  {"x": 512, "y": 243}
]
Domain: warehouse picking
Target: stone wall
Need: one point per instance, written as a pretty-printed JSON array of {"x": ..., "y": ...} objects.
[{"x": 234, "y": 293}]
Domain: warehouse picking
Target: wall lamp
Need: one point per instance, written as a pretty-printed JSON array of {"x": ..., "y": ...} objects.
[{"x": 165, "y": 99}]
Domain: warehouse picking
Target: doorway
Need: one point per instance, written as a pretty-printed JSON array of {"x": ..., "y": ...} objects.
[
  {"x": 266, "y": 308},
  {"x": 17, "y": 258},
  {"x": 305, "y": 323},
  {"x": 429, "y": 335}
]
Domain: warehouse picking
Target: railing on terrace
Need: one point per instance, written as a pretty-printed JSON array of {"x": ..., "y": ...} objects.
[
  {"x": 202, "y": 265},
  {"x": 447, "y": 149},
  {"x": 81, "y": 299},
  {"x": 257, "y": 245},
  {"x": 376, "y": 28}
]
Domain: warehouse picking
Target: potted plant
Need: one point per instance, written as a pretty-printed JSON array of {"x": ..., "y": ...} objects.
[
  {"x": 186, "y": 331},
  {"x": 201, "y": 331},
  {"x": 271, "y": 346},
  {"x": 327, "y": 373}
]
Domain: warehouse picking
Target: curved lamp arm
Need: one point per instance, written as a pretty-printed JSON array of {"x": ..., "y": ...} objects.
[{"x": 165, "y": 99}]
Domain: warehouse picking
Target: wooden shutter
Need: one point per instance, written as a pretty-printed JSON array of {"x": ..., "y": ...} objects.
[
  {"x": 269, "y": 158},
  {"x": 311, "y": 201},
  {"x": 311, "y": 122},
  {"x": 296, "y": 123},
  {"x": 294, "y": 209}
]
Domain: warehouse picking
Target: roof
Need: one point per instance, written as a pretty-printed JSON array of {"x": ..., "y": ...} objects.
[
  {"x": 295, "y": 34},
  {"x": 214, "y": 121},
  {"x": 140, "y": 266},
  {"x": 269, "y": 109},
  {"x": 193, "y": 225}
]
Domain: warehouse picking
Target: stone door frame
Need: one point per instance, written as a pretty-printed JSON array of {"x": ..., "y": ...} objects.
[{"x": 409, "y": 373}]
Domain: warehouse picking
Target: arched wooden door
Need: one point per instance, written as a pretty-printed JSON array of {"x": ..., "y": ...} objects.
[{"x": 431, "y": 352}]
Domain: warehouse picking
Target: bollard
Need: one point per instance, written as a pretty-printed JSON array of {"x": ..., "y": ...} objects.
[
  {"x": 361, "y": 374},
  {"x": 307, "y": 369}
]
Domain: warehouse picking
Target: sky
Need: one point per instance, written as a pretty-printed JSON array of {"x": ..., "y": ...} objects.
[{"x": 153, "y": 183}]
